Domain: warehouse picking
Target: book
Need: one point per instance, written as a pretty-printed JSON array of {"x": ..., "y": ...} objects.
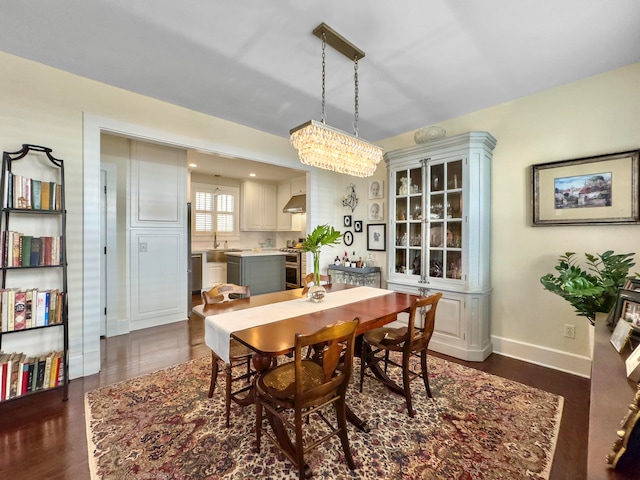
[
  {"x": 4, "y": 359},
  {"x": 29, "y": 385},
  {"x": 25, "y": 251},
  {"x": 35, "y": 195},
  {"x": 47, "y": 372},
  {"x": 45, "y": 195},
  {"x": 47, "y": 300},
  {"x": 34, "y": 257},
  {"x": 41, "y": 304},
  {"x": 16, "y": 249},
  {"x": 42, "y": 362},
  {"x": 11, "y": 312},
  {"x": 28, "y": 308},
  {"x": 20, "y": 319},
  {"x": 55, "y": 368},
  {"x": 15, "y": 364},
  {"x": 4, "y": 299}
]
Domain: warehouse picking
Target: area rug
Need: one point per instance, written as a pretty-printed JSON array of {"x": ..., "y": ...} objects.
[{"x": 478, "y": 426}]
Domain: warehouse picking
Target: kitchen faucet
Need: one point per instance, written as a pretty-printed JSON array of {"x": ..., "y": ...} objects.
[{"x": 215, "y": 240}]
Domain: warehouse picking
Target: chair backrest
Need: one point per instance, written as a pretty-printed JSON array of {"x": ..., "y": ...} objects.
[
  {"x": 225, "y": 292},
  {"x": 308, "y": 281},
  {"x": 333, "y": 351},
  {"x": 419, "y": 335}
]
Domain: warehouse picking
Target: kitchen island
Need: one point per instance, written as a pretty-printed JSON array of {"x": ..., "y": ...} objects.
[{"x": 263, "y": 270}]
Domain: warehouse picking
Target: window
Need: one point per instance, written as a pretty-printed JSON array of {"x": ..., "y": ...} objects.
[{"x": 215, "y": 210}]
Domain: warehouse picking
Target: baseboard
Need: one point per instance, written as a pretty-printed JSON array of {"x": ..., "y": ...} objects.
[{"x": 547, "y": 357}]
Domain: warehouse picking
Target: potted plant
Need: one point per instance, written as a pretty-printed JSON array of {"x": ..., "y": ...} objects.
[
  {"x": 593, "y": 290},
  {"x": 322, "y": 235}
]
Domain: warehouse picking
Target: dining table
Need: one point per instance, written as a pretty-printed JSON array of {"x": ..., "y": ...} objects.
[{"x": 268, "y": 323}]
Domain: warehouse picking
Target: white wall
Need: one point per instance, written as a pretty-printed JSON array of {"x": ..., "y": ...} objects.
[{"x": 598, "y": 115}]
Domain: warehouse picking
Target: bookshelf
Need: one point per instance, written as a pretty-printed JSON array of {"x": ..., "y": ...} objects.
[{"x": 33, "y": 263}]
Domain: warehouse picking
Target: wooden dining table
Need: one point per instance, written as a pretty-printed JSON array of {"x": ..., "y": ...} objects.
[{"x": 272, "y": 338}]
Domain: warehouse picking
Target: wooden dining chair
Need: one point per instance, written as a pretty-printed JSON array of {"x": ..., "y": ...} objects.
[
  {"x": 308, "y": 281},
  {"x": 412, "y": 340},
  {"x": 239, "y": 355},
  {"x": 307, "y": 386}
]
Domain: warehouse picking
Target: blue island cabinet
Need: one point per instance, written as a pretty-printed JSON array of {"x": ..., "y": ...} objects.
[{"x": 264, "y": 273}]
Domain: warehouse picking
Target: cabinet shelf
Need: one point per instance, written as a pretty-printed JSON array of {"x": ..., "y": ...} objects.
[{"x": 37, "y": 181}]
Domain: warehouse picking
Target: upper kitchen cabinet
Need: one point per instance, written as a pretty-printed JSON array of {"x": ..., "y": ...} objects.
[
  {"x": 289, "y": 221},
  {"x": 439, "y": 236},
  {"x": 258, "y": 206}
]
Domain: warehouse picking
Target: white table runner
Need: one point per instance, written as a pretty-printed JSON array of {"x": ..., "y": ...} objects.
[{"x": 218, "y": 328}]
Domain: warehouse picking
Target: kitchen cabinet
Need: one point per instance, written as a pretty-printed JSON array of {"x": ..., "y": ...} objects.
[
  {"x": 213, "y": 274},
  {"x": 264, "y": 272},
  {"x": 258, "y": 206},
  {"x": 439, "y": 236},
  {"x": 288, "y": 222}
]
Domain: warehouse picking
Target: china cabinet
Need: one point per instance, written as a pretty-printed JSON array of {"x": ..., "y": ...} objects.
[{"x": 439, "y": 235}]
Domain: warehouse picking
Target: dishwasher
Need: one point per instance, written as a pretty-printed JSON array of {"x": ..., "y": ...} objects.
[{"x": 196, "y": 273}]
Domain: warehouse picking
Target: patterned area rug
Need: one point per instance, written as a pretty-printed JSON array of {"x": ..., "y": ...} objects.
[{"x": 478, "y": 426}]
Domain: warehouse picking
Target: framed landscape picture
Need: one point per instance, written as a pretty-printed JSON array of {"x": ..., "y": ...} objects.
[{"x": 587, "y": 191}]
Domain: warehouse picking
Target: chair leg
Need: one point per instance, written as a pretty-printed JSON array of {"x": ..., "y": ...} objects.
[
  {"x": 341, "y": 416},
  {"x": 214, "y": 373},
  {"x": 299, "y": 453},
  {"x": 364, "y": 353},
  {"x": 406, "y": 382},
  {"x": 425, "y": 372},
  {"x": 258, "y": 423},
  {"x": 227, "y": 397}
]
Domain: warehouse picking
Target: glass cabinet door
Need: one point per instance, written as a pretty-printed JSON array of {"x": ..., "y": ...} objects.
[
  {"x": 408, "y": 207},
  {"x": 445, "y": 239}
]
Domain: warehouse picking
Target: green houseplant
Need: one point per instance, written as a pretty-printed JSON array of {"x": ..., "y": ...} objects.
[
  {"x": 593, "y": 290},
  {"x": 322, "y": 235}
]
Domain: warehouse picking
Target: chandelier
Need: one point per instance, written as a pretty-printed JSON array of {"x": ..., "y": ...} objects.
[{"x": 323, "y": 146}]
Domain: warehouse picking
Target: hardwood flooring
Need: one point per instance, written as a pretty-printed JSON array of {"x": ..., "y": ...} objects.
[{"x": 42, "y": 437}]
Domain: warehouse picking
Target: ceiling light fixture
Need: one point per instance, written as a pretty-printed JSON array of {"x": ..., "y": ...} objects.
[{"x": 323, "y": 146}]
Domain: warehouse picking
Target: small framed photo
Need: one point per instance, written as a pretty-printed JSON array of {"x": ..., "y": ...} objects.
[
  {"x": 632, "y": 283},
  {"x": 627, "y": 307},
  {"x": 376, "y": 211},
  {"x": 357, "y": 226},
  {"x": 633, "y": 365},
  {"x": 621, "y": 335},
  {"x": 347, "y": 220},
  {"x": 376, "y": 237},
  {"x": 376, "y": 189}
]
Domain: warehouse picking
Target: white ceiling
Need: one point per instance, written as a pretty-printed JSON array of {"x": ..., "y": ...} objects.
[{"x": 256, "y": 62}]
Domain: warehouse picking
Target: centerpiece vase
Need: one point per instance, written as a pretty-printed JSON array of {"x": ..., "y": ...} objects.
[{"x": 316, "y": 292}]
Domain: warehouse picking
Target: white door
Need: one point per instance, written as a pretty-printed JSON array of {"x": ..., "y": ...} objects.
[{"x": 103, "y": 256}]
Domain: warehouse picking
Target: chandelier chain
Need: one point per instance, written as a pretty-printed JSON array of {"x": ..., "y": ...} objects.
[
  {"x": 355, "y": 80},
  {"x": 323, "y": 117}
]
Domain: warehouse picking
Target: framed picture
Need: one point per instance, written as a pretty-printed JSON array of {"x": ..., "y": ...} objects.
[
  {"x": 587, "y": 191},
  {"x": 347, "y": 220},
  {"x": 628, "y": 307},
  {"x": 357, "y": 226},
  {"x": 376, "y": 211},
  {"x": 376, "y": 236},
  {"x": 633, "y": 365},
  {"x": 376, "y": 189},
  {"x": 620, "y": 335},
  {"x": 632, "y": 283}
]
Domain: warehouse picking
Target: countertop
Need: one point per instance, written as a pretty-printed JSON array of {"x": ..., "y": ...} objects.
[{"x": 251, "y": 253}]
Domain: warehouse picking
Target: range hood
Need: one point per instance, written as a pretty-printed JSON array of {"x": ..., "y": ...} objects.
[{"x": 296, "y": 204}]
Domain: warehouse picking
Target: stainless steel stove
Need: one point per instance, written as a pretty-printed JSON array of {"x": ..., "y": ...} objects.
[{"x": 293, "y": 265}]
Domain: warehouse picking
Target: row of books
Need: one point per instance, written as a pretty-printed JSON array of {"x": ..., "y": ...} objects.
[
  {"x": 24, "y": 309},
  {"x": 19, "y": 250},
  {"x": 30, "y": 194},
  {"x": 21, "y": 374}
]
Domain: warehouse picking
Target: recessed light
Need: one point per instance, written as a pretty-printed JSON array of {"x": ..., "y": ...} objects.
[
  {"x": 252, "y": 174},
  {"x": 193, "y": 165}
]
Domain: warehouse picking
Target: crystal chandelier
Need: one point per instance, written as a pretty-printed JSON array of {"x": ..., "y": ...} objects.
[{"x": 323, "y": 146}]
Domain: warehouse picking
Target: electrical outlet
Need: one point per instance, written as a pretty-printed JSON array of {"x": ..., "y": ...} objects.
[{"x": 569, "y": 331}]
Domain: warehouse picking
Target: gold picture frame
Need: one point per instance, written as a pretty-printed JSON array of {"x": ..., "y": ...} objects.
[
  {"x": 599, "y": 190},
  {"x": 620, "y": 335}
]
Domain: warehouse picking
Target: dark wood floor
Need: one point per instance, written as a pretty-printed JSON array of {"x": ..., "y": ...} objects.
[{"x": 42, "y": 437}]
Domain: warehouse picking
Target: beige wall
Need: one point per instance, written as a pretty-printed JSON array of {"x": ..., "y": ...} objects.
[{"x": 598, "y": 115}]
